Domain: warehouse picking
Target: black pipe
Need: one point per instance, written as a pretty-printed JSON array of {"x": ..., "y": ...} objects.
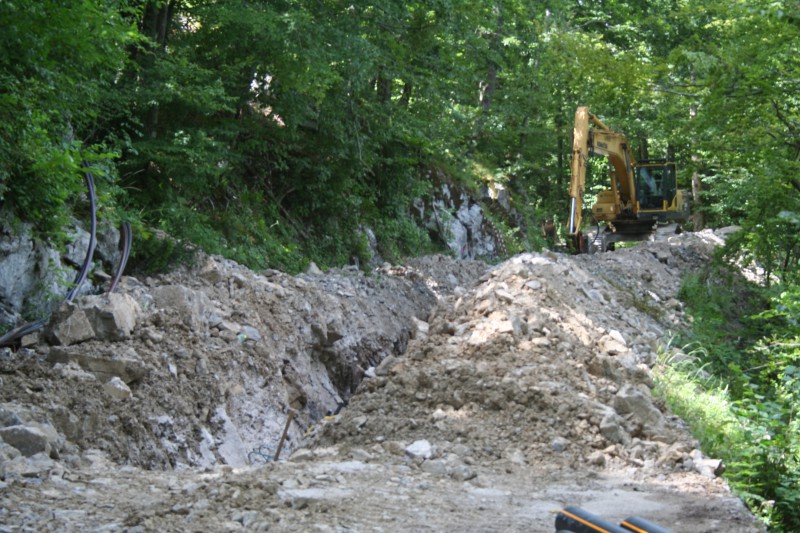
[
  {"x": 125, "y": 239},
  {"x": 87, "y": 262},
  {"x": 576, "y": 520},
  {"x": 640, "y": 525}
]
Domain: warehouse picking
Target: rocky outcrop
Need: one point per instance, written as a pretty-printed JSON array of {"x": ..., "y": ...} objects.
[
  {"x": 459, "y": 219},
  {"x": 35, "y": 277}
]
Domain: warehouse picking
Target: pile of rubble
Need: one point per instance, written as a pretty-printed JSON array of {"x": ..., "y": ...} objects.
[
  {"x": 437, "y": 396},
  {"x": 551, "y": 352}
]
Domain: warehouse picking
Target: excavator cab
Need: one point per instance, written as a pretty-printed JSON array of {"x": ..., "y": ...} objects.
[
  {"x": 657, "y": 193},
  {"x": 656, "y": 186}
]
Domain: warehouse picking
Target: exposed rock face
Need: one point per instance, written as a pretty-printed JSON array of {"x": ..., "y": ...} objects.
[
  {"x": 460, "y": 221},
  {"x": 35, "y": 278}
]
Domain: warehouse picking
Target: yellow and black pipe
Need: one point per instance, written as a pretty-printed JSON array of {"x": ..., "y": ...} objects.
[{"x": 576, "y": 520}]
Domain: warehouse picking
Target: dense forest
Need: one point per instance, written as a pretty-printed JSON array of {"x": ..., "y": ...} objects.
[{"x": 275, "y": 131}]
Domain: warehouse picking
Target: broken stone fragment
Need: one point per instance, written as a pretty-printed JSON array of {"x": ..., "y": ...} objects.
[
  {"x": 69, "y": 325},
  {"x": 437, "y": 467},
  {"x": 596, "y": 458},
  {"x": 117, "y": 389},
  {"x": 34, "y": 466},
  {"x": 212, "y": 271},
  {"x": 386, "y": 365},
  {"x": 462, "y": 472},
  {"x": 419, "y": 449},
  {"x": 227, "y": 325},
  {"x": 612, "y": 428},
  {"x": 613, "y": 344},
  {"x": 604, "y": 366},
  {"x": 559, "y": 444},
  {"x": 705, "y": 466},
  {"x": 107, "y": 318},
  {"x": 534, "y": 285},
  {"x": 8, "y": 417},
  {"x": 631, "y": 400},
  {"x": 504, "y": 296},
  {"x": 420, "y": 329},
  {"x": 127, "y": 366},
  {"x": 112, "y": 317},
  {"x": 673, "y": 455},
  {"x": 313, "y": 270},
  {"x": 193, "y": 306},
  {"x": 302, "y": 455},
  {"x": 32, "y": 439},
  {"x": 249, "y": 333}
]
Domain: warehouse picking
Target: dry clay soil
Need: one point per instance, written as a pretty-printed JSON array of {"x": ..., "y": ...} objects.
[{"x": 467, "y": 397}]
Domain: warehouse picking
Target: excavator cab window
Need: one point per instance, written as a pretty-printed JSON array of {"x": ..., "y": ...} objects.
[{"x": 655, "y": 184}]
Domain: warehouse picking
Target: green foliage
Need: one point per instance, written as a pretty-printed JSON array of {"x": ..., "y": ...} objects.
[
  {"x": 53, "y": 77},
  {"x": 402, "y": 237},
  {"x": 157, "y": 253},
  {"x": 328, "y": 111},
  {"x": 724, "y": 432},
  {"x": 684, "y": 383},
  {"x": 750, "y": 351}
]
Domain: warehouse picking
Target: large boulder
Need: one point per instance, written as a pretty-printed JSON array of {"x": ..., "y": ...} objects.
[
  {"x": 106, "y": 318},
  {"x": 194, "y": 306},
  {"x": 633, "y": 401}
]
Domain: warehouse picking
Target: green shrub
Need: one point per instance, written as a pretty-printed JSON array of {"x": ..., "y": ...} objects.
[{"x": 744, "y": 407}]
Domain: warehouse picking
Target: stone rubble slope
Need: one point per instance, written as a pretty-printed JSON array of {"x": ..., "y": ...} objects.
[
  {"x": 546, "y": 362},
  {"x": 199, "y": 367},
  {"x": 468, "y": 399}
]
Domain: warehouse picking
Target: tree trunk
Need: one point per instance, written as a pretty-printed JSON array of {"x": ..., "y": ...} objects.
[
  {"x": 698, "y": 218},
  {"x": 155, "y": 24},
  {"x": 383, "y": 86},
  {"x": 405, "y": 98},
  {"x": 562, "y": 186},
  {"x": 487, "y": 87},
  {"x": 644, "y": 149}
]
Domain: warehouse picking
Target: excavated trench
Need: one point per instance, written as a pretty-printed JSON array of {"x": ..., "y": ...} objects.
[{"x": 200, "y": 367}]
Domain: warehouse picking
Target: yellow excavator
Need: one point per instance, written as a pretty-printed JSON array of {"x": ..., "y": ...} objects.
[{"x": 642, "y": 195}]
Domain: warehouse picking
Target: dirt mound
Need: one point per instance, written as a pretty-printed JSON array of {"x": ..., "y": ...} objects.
[
  {"x": 545, "y": 363},
  {"x": 468, "y": 398}
]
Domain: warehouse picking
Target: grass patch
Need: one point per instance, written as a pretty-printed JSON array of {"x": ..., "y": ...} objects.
[
  {"x": 740, "y": 387},
  {"x": 691, "y": 394},
  {"x": 716, "y": 421}
]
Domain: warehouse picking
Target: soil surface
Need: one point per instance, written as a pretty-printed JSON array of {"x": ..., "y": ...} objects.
[{"x": 440, "y": 395}]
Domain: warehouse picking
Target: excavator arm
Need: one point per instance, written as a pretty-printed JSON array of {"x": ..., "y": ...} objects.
[
  {"x": 619, "y": 206},
  {"x": 600, "y": 140},
  {"x": 577, "y": 183}
]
